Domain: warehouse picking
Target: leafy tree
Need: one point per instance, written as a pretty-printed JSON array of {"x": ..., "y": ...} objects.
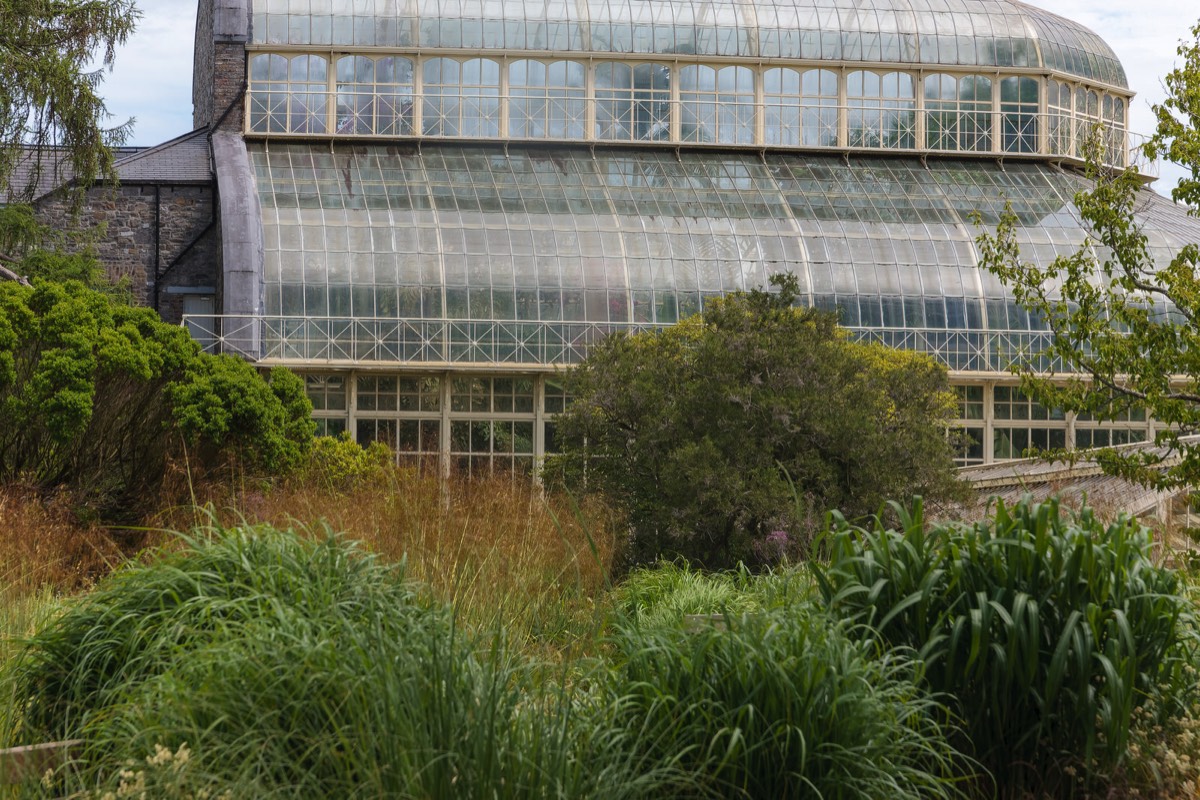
[
  {"x": 728, "y": 436},
  {"x": 48, "y": 98},
  {"x": 98, "y": 396},
  {"x": 1127, "y": 326}
]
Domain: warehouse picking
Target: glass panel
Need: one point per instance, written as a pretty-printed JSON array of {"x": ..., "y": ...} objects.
[
  {"x": 881, "y": 110},
  {"x": 375, "y": 96},
  {"x": 716, "y": 105},
  {"x": 548, "y": 101},
  {"x": 288, "y": 95},
  {"x": 958, "y": 112},
  {"x": 633, "y": 102},
  {"x": 800, "y": 108},
  {"x": 461, "y": 98}
]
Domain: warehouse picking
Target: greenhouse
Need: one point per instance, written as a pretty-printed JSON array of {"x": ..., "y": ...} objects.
[{"x": 432, "y": 206}]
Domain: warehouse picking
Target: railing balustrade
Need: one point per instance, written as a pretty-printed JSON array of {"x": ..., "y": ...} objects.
[{"x": 520, "y": 344}]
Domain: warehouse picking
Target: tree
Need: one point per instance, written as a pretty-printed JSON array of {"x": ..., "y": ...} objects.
[
  {"x": 727, "y": 437},
  {"x": 48, "y": 95},
  {"x": 1127, "y": 327}
]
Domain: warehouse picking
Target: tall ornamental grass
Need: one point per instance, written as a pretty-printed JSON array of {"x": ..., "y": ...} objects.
[
  {"x": 267, "y": 664},
  {"x": 1047, "y": 628},
  {"x": 782, "y": 703},
  {"x": 499, "y": 550}
]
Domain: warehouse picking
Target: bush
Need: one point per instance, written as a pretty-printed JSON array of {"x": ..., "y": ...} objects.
[
  {"x": 341, "y": 464},
  {"x": 667, "y": 593},
  {"x": 98, "y": 397},
  {"x": 1047, "y": 628},
  {"x": 280, "y": 666},
  {"x": 726, "y": 438},
  {"x": 782, "y": 703}
]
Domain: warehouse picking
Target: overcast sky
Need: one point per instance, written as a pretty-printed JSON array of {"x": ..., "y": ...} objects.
[{"x": 152, "y": 81}]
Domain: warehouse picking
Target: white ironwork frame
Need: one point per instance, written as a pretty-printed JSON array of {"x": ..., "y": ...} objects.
[{"x": 483, "y": 110}]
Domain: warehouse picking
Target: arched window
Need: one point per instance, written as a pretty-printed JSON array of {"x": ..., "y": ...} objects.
[
  {"x": 633, "y": 102},
  {"x": 461, "y": 98},
  {"x": 547, "y": 101},
  {"x": 1087, "y": 117},
  {"x": 288, "y": 95},
  {"x": 958, "y": 112},
  {"x": 800, "y": 108},
  {"x": 1019, "y": 114},
  {"x": 881, "y": 109},
  {"x": 375, "y": 96},
  {"x": 716, "y": 105},
  {"x": 1062, "y": 127},
  {"x": 1116, "y": 146}
]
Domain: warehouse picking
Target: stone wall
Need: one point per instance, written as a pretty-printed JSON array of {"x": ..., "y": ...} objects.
[
  {"x": 202, "y": 67},
  {"x": 180, "y": 240}
]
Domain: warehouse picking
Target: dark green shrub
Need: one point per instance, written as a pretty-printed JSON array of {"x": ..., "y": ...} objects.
[
  {"x": 1046, "y": 627},
  {"x": 727, "y": 437},
  {"x": 782, "y": 703},
  {"x": 98, "y": 397}
]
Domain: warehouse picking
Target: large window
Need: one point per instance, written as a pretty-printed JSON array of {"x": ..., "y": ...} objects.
[
  {"x": 1061, "y": 127},
  {"x": 1019, "y": 115},
  {"x": 614, "y": 101},
  {"x": 1114, "y": 129},
  {"x": 800, "y": 108},
  {"x": 958, "y": 112},
  {"x": 547, "y": 101},
  {"x": 633, "y": 102},
  {"x": 375, "y": 96},
  {"x": 288, "y": 95},
  {"x": 461, "y": 98},
  {"x": 716, "y": 105},
  {"x": 881, "y": 110}
]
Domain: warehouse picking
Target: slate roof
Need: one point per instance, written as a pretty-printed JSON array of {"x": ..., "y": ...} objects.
[
  {"x": 55, "y": 170},
  {"x": 184, "y": 159}
]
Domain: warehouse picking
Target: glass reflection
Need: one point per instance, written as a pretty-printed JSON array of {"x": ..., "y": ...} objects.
[
  {"x": 461, "y": 98},
  {"x": 375, "y": 96},
  {"x": 881, "y": 110},
  {"x": 633, "y": 102},
  {"x": 800, "y": 108}
]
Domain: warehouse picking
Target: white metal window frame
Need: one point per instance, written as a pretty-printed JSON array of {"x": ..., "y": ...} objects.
[{"x": 478, "y": 103}]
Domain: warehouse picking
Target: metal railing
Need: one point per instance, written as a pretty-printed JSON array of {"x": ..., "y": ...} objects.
[{"x": 352, "y": 342}]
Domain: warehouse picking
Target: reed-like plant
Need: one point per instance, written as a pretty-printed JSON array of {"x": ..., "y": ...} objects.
[
  {"x": 1046, "y": 627},
  {"x": 297, "y": 666},
  {"x": 782, "y": 703}
]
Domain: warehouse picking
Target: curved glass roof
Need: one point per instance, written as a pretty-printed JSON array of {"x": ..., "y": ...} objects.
[
  {"x": 564, "y": 235},
  {"x": 1002, "y": 33}
]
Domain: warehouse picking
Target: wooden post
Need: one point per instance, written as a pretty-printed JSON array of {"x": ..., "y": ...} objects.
[{"x": 19, "y": 764}]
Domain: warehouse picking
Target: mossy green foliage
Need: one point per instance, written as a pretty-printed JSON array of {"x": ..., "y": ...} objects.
[
  {"x": 1046, "y": 628},
  {"x": 727, "y": 437},
  {"x": 98, "y": 396}
]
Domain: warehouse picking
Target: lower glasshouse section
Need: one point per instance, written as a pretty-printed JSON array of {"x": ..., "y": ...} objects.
[{"x": 489, "y": 425}]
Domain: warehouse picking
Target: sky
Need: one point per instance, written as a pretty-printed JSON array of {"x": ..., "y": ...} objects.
[{"x": 152, "y": 80}]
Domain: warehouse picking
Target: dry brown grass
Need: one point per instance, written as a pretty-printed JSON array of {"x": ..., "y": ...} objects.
[
  {"x": 499, "y": 549},
  {"x": 44, "y": 543}
]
